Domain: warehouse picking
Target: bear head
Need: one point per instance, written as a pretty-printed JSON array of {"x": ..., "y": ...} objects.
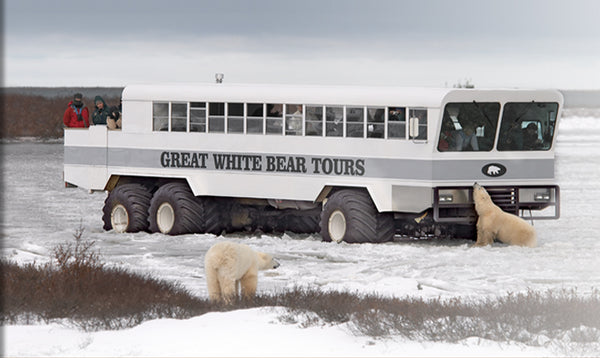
[
  {"x": 266, "y": 262},
  {"x": 482, "y": 198},
  {"x": 479, "y": 191}
]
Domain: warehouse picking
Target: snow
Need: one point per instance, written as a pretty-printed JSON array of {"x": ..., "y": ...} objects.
[
  {"x": 207, "y": 335},
  {"x": 256, "y": 332},
  {"x": 39, "y": 213}
]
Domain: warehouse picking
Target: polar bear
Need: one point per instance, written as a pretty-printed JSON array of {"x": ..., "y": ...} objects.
[
  {"x": 495, "y": 223},
  {"x": 231, "y": 267}
]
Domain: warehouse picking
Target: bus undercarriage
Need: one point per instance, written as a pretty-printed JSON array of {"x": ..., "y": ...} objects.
[{"x": 169, "y": 206}]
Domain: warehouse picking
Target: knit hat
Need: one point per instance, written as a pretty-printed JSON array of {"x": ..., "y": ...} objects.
[{"x": 78, "y": 96}]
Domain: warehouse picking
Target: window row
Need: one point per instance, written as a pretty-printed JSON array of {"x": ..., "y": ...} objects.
[{"x": 290, "y": 119}]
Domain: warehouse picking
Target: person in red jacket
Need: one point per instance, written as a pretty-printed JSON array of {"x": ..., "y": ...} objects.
[{"x": 77, "y": 114}]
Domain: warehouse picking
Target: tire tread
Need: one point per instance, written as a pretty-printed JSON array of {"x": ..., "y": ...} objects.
[
  {"x": 364, "y": 222},
  {"x": 192, "y": 214},
  {"x": 136, "y": 199}
]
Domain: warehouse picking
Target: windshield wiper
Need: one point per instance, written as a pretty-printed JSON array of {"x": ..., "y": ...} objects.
[
  {"x": 484, "y": 114},
  {"x": 524, "y": 112}
]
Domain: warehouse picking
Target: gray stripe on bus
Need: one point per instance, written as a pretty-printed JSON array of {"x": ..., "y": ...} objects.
[{"x": 387, "y": 168}]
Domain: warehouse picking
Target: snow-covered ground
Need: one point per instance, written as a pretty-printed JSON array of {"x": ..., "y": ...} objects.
[
  {"x": 38, "y": 213},
  {"x": 245, "y": 333}
]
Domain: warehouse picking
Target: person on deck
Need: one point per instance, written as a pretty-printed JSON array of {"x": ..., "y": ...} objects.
[
  {"x": 114, "y": 117},
  {"x": 101, "y": 112},
  {"x": 77, "y": 114}
]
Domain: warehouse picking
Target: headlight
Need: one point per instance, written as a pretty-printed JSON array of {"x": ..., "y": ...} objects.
[
  {"x": 541, "y": 196},
  {"x": 537, "y": 195},
  {"x": 453, "y": 196},
  {"x": 446, "y": 198}
]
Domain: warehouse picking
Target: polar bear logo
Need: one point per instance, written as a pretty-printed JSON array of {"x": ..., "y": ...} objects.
[
  {"x": 232, "y": 269},
  {"x": 493, "y": 170},
  {"x": 494, "y": 223}
]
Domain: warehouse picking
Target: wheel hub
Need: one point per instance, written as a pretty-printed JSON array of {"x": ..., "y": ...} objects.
[
  {"x": 337, "y": 226},
  {"x": 165, "y": 218},
  {"x": 119, "y": 218}
]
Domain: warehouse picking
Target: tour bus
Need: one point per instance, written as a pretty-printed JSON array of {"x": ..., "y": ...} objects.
[{"x": 357, "y": 164}]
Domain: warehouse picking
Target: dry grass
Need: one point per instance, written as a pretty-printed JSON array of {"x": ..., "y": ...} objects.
[
  {"x": 31, "y": 115},
  {"x": 78, "y": 286}
]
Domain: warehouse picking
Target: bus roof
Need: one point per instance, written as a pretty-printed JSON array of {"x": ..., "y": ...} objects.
[{"x": 313, "y": 94}]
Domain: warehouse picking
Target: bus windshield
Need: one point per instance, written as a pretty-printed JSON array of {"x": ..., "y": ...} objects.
[
  {"x": 469, "y": 126},
  {"x": 527, "y": 126}
]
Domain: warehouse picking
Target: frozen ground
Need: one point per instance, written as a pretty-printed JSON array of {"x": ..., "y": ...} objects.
[{"x": 38, "y": 213}]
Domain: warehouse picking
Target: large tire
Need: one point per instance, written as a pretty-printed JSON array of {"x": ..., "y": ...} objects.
[
  {"x": 211, "y": 217},
  {"x": 386, "y": 228},
  {"x": 126, "y": 208},
  {"x": 349, "y": 215},
  {"x": 174, "y": 210},
  {"x": 303, "y": 224}
]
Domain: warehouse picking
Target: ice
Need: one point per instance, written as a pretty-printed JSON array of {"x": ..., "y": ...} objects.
[{"x": 39, "y": 212}]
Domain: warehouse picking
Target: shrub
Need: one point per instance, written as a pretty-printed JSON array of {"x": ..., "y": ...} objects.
[{"x": 78, "y": 286}]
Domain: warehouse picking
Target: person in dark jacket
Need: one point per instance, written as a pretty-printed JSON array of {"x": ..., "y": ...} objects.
[
  {"x": 101, "y": 112},
  {"x": 77, "y": 115}
]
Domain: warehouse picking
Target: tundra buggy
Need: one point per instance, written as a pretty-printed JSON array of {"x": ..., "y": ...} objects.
[{"x": 357, "y": 164}]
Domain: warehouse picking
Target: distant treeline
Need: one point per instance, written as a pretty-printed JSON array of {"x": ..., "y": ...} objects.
[
  {"x": 38, "y": 111},
  {"x": 54, "y": 92}
]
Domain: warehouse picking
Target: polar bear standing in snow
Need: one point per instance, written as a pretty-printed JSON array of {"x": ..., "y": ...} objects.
[
  {"x": 231, "y": 268},
  {"x": 494, "y": 223}
]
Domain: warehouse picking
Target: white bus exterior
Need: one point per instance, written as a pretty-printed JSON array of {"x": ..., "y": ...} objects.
[{"x": 357, "y": 163}]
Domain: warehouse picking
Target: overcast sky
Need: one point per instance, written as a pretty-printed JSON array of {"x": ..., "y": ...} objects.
[{"x": 507, "y": 43}]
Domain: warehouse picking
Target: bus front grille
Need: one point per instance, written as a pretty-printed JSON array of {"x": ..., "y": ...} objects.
[{"x": 507, "y": 198}]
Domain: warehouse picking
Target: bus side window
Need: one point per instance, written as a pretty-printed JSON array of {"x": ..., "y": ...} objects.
[
  {"x": 355, "y": 122},
  {"x": 216, "y": 117},
  {"x": 375, "y": 122},
  {"x": 334, "y": 121},
  {"x": 198, "y": 117},
  {"x": 397, "y": 122},
  {"x": 314, "y": 120},
  {"x": 293, "y": 119},
  {"x": 421, "y": 114},
  {"x": 179, "y": 117},
  {"x": 274, "y": 118},
  {"x": 254, "y": 120},
  {"x": 235, "y": 118},
  {"x": 160, "y": 116}
]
